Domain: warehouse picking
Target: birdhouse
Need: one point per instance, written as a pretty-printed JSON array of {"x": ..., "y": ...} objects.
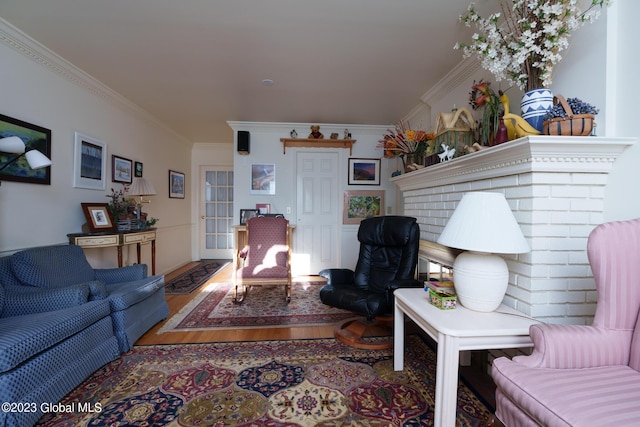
[{"x": 455, "y": 130}]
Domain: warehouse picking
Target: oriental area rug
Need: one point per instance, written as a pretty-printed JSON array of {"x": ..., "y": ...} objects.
[
  {"x": 194, "y": 277},
  {"x": 316, "y": 382},
  {"x": 263, "y": 306}
]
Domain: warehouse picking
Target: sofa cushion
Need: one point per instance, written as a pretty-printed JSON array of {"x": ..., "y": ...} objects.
[
  {"x": 22, "y": 337},
  {"x": 124, "y": 295},
  {"x": 52, "y": 266},
  {"x": 6, "y": 272},
  {"x": 1, "y": 298},
  {"x": 21, "y": 300},
  {"x": 601, "y": 396}
]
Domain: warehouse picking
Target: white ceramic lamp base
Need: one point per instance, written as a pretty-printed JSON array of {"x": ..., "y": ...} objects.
[{"x": 480, "y": 280}]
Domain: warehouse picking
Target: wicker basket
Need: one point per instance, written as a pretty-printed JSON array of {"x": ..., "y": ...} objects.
[{"x": 572, "y": 125}]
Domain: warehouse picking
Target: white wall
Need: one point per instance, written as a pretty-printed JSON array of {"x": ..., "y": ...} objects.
[
  {"x": 266, "y": 147},
  {"x": 41, "y": 88}
]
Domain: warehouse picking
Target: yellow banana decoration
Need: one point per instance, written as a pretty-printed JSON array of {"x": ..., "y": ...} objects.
[
  {"x": 522, "y": 127},
  {"x": 511, "y": 129}
]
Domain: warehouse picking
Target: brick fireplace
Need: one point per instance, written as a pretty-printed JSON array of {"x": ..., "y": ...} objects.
[{"x": 555, "y": 187}]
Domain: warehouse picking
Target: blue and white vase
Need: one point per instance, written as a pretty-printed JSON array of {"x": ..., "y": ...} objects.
[{"x": 534, "y": 106}]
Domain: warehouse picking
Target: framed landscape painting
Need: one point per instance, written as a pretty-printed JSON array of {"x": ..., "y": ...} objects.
[
  {"x": 176, "y": 185},
  {"x": 362, "y": 204},
  {"x": 364, "y": 171}
]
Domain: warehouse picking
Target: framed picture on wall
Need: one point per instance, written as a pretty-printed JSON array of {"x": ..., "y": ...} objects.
[
  {"x": 362, "y": 204},
  {"x": 89, "y": 163},
  {"x": 137, "y": 167},
  {"x": 263, "y": 178},
  {"x": 263, "y": 208},
  {"x": 15, "y": 166},
  {"x": 176, "y": 185},
  {"x": 121, "y": 170},
  {"x": 364, "y": 171}
]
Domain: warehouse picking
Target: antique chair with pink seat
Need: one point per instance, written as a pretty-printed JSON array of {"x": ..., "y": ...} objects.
[
  {"x": 265, "y": 260},
  {"x": 581, "y": 375}
]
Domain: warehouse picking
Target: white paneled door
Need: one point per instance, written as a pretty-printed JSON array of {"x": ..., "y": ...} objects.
[
  {"x": 216, "y": 213},
  {"x": 317, "y": 242}
]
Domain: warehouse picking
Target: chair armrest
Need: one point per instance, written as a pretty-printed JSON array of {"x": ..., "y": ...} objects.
[
  {"x": 24, "y": 300},
  {"x": 122, "y": 274},
  {"x": 337, "y": 276},
  {"x": 576, "y": 346}
]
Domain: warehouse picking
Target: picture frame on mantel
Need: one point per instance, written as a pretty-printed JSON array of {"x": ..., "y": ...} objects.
[{"x": 89, "y": 162}]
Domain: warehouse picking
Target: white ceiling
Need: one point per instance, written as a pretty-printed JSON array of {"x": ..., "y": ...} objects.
[{"x": 194, "y": 64}]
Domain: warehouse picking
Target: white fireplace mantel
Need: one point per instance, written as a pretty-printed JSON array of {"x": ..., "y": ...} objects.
[
  {"x": 555, "y": 187},
  {"x": 534, "y": 153}
]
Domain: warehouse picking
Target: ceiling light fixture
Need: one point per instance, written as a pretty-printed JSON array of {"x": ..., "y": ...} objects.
[{"x": 267, "y": 82}]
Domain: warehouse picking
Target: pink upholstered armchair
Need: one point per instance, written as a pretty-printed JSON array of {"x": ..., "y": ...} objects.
[
  {"x": 265, "y": 260},
  {"x": 584, "y": 375}
]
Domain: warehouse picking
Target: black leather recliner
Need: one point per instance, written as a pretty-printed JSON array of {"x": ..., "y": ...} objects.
[{"x": 387, "y": 261}]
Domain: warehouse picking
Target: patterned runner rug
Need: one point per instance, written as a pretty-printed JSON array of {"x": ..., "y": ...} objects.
[
  {"x": 193, "y": 278},
  {"x": 269, "y": 383},
  {"x": 264, "y": 306}
]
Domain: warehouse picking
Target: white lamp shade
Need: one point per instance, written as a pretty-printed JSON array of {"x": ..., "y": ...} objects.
[
  {"x": 484, "y": 225},
  {"x": 37, "y": 160},
  {"x": 12, "y": 144},
  {"x": 141, "y": 187},
  {"x": 483, "y": 222}
]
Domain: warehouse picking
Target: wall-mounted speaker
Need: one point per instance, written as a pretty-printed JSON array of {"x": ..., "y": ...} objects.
[{"x": 243, "y": 142}]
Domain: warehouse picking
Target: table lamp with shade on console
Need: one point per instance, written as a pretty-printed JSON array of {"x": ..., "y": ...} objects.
[
  {"x": 15, "y": 145},
  {"x": 141, "y": 187},
  {"x": 483, "y": 226}
]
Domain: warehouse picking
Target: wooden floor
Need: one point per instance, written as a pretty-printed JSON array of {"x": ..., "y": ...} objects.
[{"x": 176, "y": 302}]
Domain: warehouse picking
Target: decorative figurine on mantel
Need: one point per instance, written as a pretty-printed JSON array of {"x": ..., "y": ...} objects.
[
  {"x": 347, "y": 134},
  {"x": 293, "y": 134},
  {"x": 315, "y": 133}
]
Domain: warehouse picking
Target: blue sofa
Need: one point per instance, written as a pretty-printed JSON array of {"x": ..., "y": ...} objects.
[{"x": 61, "y": 320}]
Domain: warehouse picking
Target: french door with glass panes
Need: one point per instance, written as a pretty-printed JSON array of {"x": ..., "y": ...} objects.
[{"x": 216, "y": 231}]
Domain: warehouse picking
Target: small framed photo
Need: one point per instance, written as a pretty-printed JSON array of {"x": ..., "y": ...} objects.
[
  {"x": 89, "y": 163},
  {"x": 263, "y": 178},
  {"x": 15, "y": 166},
  {"x": 362, "y": 204},
  {"x": 247, "y": 214},
  {"x": 364, "y": 171},
  {"x": 98, "y": 217},
  {"x": 121, "y": 170},
  {"x": 263, "y": 208},
  {"x": 176, "y": 185},
  {"x": 137, "y": 167}
]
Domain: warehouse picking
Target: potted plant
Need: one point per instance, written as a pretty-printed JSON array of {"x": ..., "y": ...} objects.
[
  {"x": 523, "y": 42},
  {"x": 408, "y": 144}
]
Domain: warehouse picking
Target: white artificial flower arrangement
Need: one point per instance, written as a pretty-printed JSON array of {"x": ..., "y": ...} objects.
[{"x": 525, "y": 44}]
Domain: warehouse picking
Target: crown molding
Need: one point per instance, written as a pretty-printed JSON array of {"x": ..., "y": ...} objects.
[
  {"x": 452, "y": 80},
  {"x": 37, "y": 52}
]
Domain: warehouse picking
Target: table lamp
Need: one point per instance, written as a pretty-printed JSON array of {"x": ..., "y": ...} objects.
[
  {"x": 141, "y": 187},
  {"x": 15, "y": 145},
  {"x": 483, "y": 225}
]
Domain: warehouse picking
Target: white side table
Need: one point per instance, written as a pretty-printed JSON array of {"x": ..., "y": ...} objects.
[{"x": 454, "y": 331}]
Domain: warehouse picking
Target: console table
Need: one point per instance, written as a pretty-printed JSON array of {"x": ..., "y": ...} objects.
[
  {"x": 454, "y": 331},
  {"x": 110, "y": 239}
]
